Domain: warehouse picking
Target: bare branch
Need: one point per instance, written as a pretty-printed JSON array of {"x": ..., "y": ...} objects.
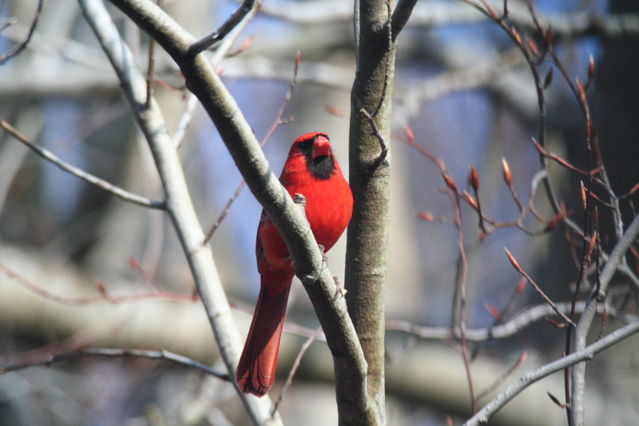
[
  {"x": 383, "y": 145},
  {"x": 228, "y": 25},
  {"x": 279, "y": 120},
  {"x": 617, "y": 257},
  {"x": 536, "y": 286},
  {"x": 529, "y": 378},
  {"x": 514, "y": 325},
  {"x": 460, "y": 301},
  {"x": 221, "y": 52},
  {"x": 251, "y": 162},
  {"x": 20, "y": 47},
  {"x": 104, "y": 297},
  {"x": 490, "y": 388},
  {"x": 401, "y": 14},
  {"x": 178, "y": 200},
  {"x": 296, "y": 364},
  {"x": 117, "y": 353},
  {"x": 427, "y": 15},
  {"x": 75, "y": 171}
]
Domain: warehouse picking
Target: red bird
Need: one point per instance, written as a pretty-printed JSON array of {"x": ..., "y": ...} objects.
[{"x": 312, "y": 170}]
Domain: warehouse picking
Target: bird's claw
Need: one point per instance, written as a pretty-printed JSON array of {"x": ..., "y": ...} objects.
[
  {"x": 340, "y": 290},
  {"x": 323, "y": 251}
]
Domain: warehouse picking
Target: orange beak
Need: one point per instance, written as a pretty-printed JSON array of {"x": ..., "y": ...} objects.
[{"x": 321, "y": 147}]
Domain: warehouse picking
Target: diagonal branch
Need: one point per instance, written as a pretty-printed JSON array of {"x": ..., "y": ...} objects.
[
  {"x": 529, "y": 378},
  {"x": 178, "y": 201},
  {"x": 75, "y": 171},
  {"x": 20, "y": 47},
  {"x": 617, "y": 257},
  {"x": 236, "y": 17},
  {"x": 519, "y": 322},
  {"x": 243, "y": 146},
  {"x": 401, "y": 14},
  {"x": 537, "y": 288},
  {"x": 116, "y": 353}
]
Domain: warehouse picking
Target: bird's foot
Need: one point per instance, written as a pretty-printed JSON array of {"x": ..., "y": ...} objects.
[
  {"x": 340, "y": 290},
  {"x": 323, "y": 251}
]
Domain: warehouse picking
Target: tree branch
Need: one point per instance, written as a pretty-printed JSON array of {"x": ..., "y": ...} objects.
[
  {"x": 21, "y": 46},
  {"x": 114, "y": 353},
  {"x": 367, "y": 244},
  {"x": 205, "y": 43},
  {"x": 578, "y": 373},
  {"x": 401, "y": 14},
  {"x": 428, "y": 15},
  {"x": 514, "y": 325},
  {"x": 75, "y": 171},
  {"x": 178, "y": 202},
  {"x": 527, "y": 379},
  {"x": 236, "y": 17},
  {"x": 239, "y": 139}
]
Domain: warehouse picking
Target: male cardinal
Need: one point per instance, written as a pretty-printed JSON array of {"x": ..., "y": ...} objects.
[{"x": 312, "y": 170}]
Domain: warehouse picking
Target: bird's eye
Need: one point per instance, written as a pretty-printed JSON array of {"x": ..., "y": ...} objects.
[{"x": 306, "y": 146}]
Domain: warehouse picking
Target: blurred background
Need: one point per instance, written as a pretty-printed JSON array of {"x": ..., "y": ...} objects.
[{"x": 469, "y": 98}]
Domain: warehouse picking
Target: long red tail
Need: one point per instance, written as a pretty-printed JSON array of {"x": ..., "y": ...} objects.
[{"x": 256, "y": 369}]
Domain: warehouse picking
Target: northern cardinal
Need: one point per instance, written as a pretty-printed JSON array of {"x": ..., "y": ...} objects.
[{"x": 312, "y": 170}]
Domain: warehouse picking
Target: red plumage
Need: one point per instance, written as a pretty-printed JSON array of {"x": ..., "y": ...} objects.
[{"x": 312, "y": 170}]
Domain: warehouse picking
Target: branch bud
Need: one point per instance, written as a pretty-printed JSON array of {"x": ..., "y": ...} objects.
[
  {"x": 561, "y": 215},
  {"x": 548, "y": 78},
  {"x": 581, "y": 91},
  {"x": 298, "y": 58},
  {"x": 634, "y": 189},
  {"x": 101, "y": 288},
  {"x": 470, "y": 200},
  {"x": 533, "y": 47},
  {"x": 473, "y": 178},
  {"x": 427, "y": 216},
  {"x": 582, "y": 190},
  {"x": 493, "y": 311},
  {"x": 521, "y": 285},
  {"x": 548, "y": 38},
  {"x": 508, "y": 176},
  {"x": 449, "y": 181},
  {"x": 409, "y": 134},
  {"x": 517, "y": 36},
  {"x": 591, "y": 67},
  {"x": 513, "y": 261}
]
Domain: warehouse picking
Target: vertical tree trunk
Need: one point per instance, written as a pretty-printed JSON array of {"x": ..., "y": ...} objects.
[{"x": 366, "y": 264}]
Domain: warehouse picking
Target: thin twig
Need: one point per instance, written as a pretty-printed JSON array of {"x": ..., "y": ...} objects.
[
  {"x": 221, "y": 52},
  {"x": 20, "y": 47},
  {"x": 114, "y": 353},
  {"x": 279, "y": 120},
  {"x": 296, "y": 364},
  {"x": 616, "y": 257},
  {"x": 375, "y": 131},
  {"x": 501, "y": 379},
  {"x": 228, "y": 25},
  {"x": 534, "y": 376},
  {"x": 87, "y": 177},
  {"x": 104, "y": 297},
  {"x": 532, "y": 282},
  {"x": 548, "y": 225},
  {"x": 519, "y": 322},
  {"x": 151, "y": 66},
  {"x": 461, "y": 281},
  {"x": 185, "y": 120}
]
